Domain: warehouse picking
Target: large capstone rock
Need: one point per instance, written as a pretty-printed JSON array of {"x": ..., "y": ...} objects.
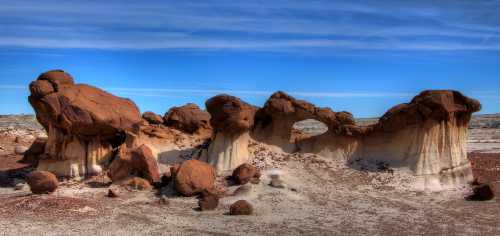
[
  {"x": 193, "y": 177},
  {"x": 83, "y": 123},
  {"x": 188, "y": 118},
  {"x": 135, "y": 162},
  {"x": 42, "y": 182}
]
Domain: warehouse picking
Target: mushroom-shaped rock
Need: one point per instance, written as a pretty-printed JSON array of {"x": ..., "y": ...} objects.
[
  {"x": 42, "y": 182},
  {"x": 428, "y": 136},
  {"x": 82, "y": 122},
  {"x": 137, "y": 161},
  {"x": 188, "y": 118},
  {"x": 241, "y": 207},
  {"x": 152, "y": 118},
  {"x": 244, "y": 173},
  {"x": 193, "y": 177},
  {"x": 231, "y": 120}
]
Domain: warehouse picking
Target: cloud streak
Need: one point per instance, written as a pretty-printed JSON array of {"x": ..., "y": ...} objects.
[{"x": 251, "y": 25}]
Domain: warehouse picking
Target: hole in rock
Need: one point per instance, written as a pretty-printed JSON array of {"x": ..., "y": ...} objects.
[{"x": 308, "y": 128}]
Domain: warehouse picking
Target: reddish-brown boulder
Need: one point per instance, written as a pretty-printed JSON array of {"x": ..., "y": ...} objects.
[
  {"x": 193, "y": 177},
  {"x": 41, "y": 182},
  {"x": 230, "y": 114},
  {"x": 244, "y": 173},
  {"x": 152, "y": 118},
  {"x": 138, "y": 161},
  {"x": 188, "y": 118},
  {"x": 241, "y": 207}
]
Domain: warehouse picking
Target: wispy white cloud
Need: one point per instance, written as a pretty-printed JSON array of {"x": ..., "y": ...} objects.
[{"x": 251, "y": 25}]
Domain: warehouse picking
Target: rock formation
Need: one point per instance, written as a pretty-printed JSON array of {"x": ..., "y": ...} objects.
[
  {"x": 426, "y": 136},
  {"x": 83, "y": 123},
  {"x": 188, "y": 118},
  {"x": 231, "y": 120}
]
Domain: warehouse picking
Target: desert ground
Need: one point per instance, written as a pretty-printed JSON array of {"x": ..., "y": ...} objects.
[{"x": 320, "y": 196}]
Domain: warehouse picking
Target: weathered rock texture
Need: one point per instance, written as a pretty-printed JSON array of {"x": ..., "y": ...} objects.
[
  {"x": 152, "y": 118},
  {"x": 231, "y": 120},
  {"x": 426, "y": 136},
  {"x": 83, "y": 123},
  {"x": 188, "y": 118}
]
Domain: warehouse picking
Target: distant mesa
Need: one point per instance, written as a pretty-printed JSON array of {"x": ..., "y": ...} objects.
[{"x": 86, "y": 126}]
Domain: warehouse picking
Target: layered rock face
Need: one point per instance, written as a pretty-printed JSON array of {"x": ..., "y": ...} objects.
[
  {"x": 231, "y": 120},
  {"x": 83, "y": 123}
]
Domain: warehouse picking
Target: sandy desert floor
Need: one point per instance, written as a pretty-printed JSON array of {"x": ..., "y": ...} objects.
[{"x": 321, "y": 197}]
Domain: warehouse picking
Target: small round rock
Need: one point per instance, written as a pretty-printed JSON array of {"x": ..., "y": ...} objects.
[{"x": 241, "y": 207}]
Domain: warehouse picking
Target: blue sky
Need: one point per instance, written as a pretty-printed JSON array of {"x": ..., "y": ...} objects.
[{"x": 359, "y": 56}]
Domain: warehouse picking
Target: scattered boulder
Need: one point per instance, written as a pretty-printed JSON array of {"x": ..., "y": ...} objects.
[
  {"x": 481, "y": 192},
  {"x": 42, "y": 182},
  {"x": 241, "y": 207},
  {"x": 245, "y": 173},
  {"x": 136, "y": 183},
  {"x": 112, "y": 193},
  {"x": 137, "y": 161},
  {"x": 188, "y": 118},
  {"x": 208, "y": 201},
  {"x": 193, "y": 177},
  {"x": 152, "y": 118},
  {"x": 277, "y": 182}
]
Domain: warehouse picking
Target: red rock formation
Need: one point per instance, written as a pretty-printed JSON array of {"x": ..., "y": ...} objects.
[
  {"x": 188, "y": 118},
  {"x": 231, "y": 120},
  {"x": 82, "y": 122},
  {"x": 427, "y": 136},
  {"x": 193, "y": 177}
]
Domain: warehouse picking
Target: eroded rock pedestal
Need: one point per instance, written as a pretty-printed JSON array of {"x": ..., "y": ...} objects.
[
  {"x": 427, "y": 136},
  {"x": 83, "y": 123},
  {"x": 231, "y": 120}
]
